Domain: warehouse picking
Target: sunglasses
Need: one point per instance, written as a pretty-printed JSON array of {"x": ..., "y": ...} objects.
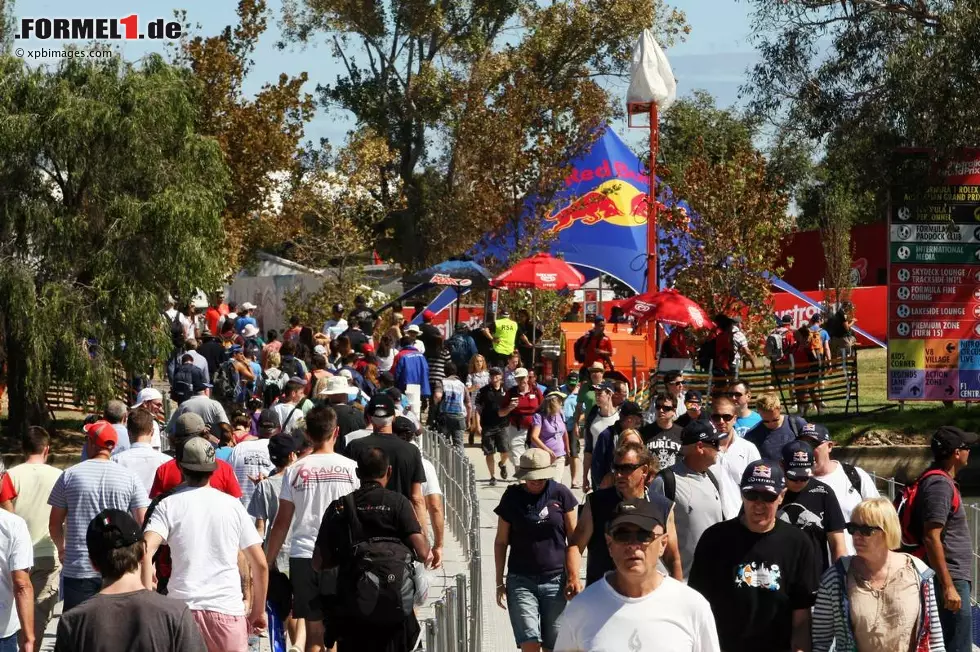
[
  {"x": 863, "y": 530},
  {"x": 676, "y": 383},
  {"x": 665, "y": 408},
  {"x": 735, "y": 394},
  {"x": 627, "y": 536},
  {"x": 626, "y": 469},
  {"x": 717, "y": 416},
  {"x": 756, "y": 496}
]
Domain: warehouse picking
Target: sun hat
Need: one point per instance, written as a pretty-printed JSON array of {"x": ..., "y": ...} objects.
[
  {"x": 535, "y": 464},
  {"x": 335, "y": 385}
]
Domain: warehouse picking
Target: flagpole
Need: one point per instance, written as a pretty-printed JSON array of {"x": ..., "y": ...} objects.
[{"x": 652, "y": 285}]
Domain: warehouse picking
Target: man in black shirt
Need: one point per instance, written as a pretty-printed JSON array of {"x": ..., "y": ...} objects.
[
  {"x": 381, "y": 513},
  {"x": 663, "y": 436},
  {"x": 407, "y": 472},
  {"x": 695, "y": 409},
  {"x": 811, "y": 505},
  {"x": 492, "y": 427},
  {"x": 361, "y": 313},
  {"x": 349, "y": 418},
  {"x": 358, "y": 334},
  {"x": 758, "y": 572},
  {"x": 430, "y": 335}
]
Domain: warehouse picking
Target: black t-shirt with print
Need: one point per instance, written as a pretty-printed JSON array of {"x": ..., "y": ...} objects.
[
  {"x": 816, "y": 512},
  {"x": 405, "y": 460},
  {"x": 664, "y": 443},
  {"x": 754, "y": 582}
]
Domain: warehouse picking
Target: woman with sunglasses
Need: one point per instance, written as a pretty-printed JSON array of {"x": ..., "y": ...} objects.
[
  {"x": 878, "y": 600},
  {"x": 534, "y": 520}
]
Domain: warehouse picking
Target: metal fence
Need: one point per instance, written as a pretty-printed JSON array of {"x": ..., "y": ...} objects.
[{"x": 457, "y": 625}]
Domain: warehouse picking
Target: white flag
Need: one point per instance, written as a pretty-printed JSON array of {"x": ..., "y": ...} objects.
[{"x": 651, "y": 79}]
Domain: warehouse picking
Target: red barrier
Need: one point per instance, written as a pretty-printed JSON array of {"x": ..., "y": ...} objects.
[{"x": 870, "y": 305}]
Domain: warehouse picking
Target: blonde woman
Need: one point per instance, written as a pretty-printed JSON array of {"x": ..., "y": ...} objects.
[
  {"x": 878, "y": 600},
  {"x": 477, "y": 378},
  {"x": 548, "y": 432}
]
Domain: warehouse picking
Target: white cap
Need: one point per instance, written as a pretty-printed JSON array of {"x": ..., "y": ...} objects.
[
  {"x": 319, "y": 349},
  {"x": 147, "y": 394},
  {"x": 248, "y": 306},
  {"x": 335, "y": 385},
  {"x": 250, "y": 330},
  {"x": 413, "y": 328},
  {"x": 520, "y": 372},
  {"x": 345, "y": 373}
]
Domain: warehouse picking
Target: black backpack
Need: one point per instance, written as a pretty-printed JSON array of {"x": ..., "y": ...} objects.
[
  {"x": 377, "y": 584},
  {"x": 227, "y": 383},
  {"x": 176, "y": 330},
  {"x": 670, "y": 482},
  {"x": 580, "y": 347},
  {"x": 292, "y": 367},
  {"x": 182, "y": 386},
  {"x": 706, "y": 354}
]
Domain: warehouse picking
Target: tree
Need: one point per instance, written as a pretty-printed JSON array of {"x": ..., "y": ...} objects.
[
  {"x": 108, "y": 201},
  {"x": 259, "y": 136},
  {"x": 837, "y": 218},
  {"x": 482, "y": 102},
  {"x": 857, "y": 79}
]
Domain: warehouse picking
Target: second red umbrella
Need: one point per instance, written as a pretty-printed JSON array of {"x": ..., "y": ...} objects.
[{"x": 668, "y": 307}]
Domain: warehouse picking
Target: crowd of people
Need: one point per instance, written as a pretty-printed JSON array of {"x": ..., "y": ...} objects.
[{"x": 287, "y": 493}]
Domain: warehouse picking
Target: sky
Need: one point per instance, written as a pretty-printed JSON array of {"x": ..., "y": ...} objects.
[{"x": 715, "y": 56}]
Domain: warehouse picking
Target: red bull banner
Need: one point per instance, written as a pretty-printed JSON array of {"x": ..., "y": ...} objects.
[{"x": 870, "y": 305}]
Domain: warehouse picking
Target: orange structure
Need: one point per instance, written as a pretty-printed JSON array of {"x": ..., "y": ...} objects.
[{"x": 626, "y": 348}]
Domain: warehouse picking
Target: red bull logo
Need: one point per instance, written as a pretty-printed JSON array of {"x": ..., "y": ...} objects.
[
  {"x": 762, "y": 471},
  {"x": 615, "y": 201}
]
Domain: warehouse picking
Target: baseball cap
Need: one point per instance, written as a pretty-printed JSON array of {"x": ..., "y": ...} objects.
[
  {"x": 785, "y": 319},
  {"x": 198, "y": 455},
  {"x": 762, "y": 475},
  {"x": 599, "y": 318},
  {"x": 102, "y": 434},
  {"x": 692, "y": 396},
  {"x": 319, "y": 349},
  {"x": 236, "y": 348},
  {"x": 112, "y": 529},
  {"x": 403, "y": 426},
  {"x": 413, "y": 328},
  {"x": 814, "y": 431},
  {"x": 798, "y": 460},
  {"x": 630, "y": 409},
  {"x": 188, "y": 425},
  {"x": 268, "y": 420},
  {"x": 520, "y": 372},
  {"x": 698, "y": 431},
  {"x": 950, "y": 438},
  {"x": 427, "y": 315},
  {"x": 367, "y": 348},
  {"x": 248, "y": 306},
  {"x": 605, "y": 386},
  {"x": 572, "y": 378},
  {"x": 147, "y": 394},
  {"x": 381, "y": 405},
  {"x": 496, "y": 371},
  {"x": 281, "y": 445},
  {"x": 644, "y": 514}
]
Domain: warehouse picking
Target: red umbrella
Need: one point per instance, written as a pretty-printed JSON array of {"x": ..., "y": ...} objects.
[
  {"x": 668, "y": 307},
  {"x": 540, "y": 272}
]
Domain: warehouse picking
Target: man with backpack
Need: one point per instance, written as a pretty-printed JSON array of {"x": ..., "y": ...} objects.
[
  {"x": 851, "y": 484},
  {"x": 595, "y": 346},
  {"x": 371, "y": 533},
  {"x": 934, "y": 523},
  {"x": 201, "y": 404},
  {"x": 461, "y": 349},
  {"x": 776, "y": 430},
  {"x": 780, "y": 344}
]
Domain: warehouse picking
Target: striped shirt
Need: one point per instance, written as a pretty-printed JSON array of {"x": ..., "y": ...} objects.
[{"x": 85, "y": 490}]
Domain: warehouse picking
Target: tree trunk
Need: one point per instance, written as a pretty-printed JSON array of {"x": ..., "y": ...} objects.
[{"x": 23, "y": 412}]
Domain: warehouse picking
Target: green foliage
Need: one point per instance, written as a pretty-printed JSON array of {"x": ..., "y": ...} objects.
[
  {"x": 313, "y": 308},
  {"x": 108, "y": 201}
]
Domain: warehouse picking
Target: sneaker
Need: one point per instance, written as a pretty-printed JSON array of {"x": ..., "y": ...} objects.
[
  {"x": 503, "y": 470},
  {"x": 493, "y": 482}
]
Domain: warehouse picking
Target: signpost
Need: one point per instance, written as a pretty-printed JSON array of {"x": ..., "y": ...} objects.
[{"x": 934, "y": 286}]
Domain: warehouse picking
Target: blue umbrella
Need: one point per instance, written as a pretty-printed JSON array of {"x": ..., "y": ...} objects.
[{"x": 459, "y": 274}]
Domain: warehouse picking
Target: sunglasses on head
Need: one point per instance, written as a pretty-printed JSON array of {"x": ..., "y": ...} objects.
[
  {"x": 626, "y": 469},
  {"x": 665, "y": 408},
  {"x": 718, "y": 416},
  {"x": 863, "y": 530},
  {"x": 629, "y": 535},
  {"x": 756, "y": 496}
]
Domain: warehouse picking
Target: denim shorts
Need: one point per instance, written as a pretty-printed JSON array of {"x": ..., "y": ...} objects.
[{"x": 535, "y": 604}]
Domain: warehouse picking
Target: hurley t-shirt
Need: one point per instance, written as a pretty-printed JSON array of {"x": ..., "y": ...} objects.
[
  {"x": 665, "y": 443},
  {"x": 250, "y": 460},
  {"x": 754, "y": 582},
  {"x": 205, "y": 529},
  {"x": 537, "y": 527},
  {"x": 16, "y": 553},
  {"x": 405, "y": 460},
  {"x": 311, "y": 484},
  {"x": 33, "y": 483},
  {"x": 85, "y": 490},
  {"x": 140, "y": 620},
  {"x": 744, "y": 424},
  {"x": 671, "y": 618},
  {"x": 816, "y": 512},
  {"x": 770, "y": 442}
]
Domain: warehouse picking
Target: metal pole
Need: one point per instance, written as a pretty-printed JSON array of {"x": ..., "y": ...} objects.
[
  {"x": 461, "y": 634},
  {"x": 440, "y": 612},
  {"x": 430, "y": 635},
  {"x": 450, "y": 622},
  {"x": 652, "y": 285}
]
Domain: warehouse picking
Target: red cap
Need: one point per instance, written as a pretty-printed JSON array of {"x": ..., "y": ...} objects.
[
  {"x": 367, "y": 348},
  {"x": 102, "y": 434},
  {"x": 427, "y": 315}
]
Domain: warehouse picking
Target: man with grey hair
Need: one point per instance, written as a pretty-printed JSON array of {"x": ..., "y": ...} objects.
[
  {"x": 199, "y": 361},
  {"x": 407, "y": 472},
  {"x": 115, "y": 413}
]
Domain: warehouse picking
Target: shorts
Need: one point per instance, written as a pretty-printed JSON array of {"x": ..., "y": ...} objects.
[
  {"x": 535, "y": 604},
  {"x": 221, "y": 632},
  {"x": 306, "y": 589},
  {"x": 494, "y": 440}
]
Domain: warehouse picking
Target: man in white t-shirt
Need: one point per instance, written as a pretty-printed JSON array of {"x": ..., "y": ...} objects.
[
  {"x": 635, "y": 607},
  {"x": 308, "y": 488},
  {"x": 734, "y": 454},
  {"x": 151, "y": 400},
  {"x": 288, "y": 408},
  {"x": 250, "y": 459},
  {"x": 16, "y": 593},
  {"x": 404, "y": 428},
  {"x": 140, "y": 457},
  {"x": 851, "y": 484},
  {"x": 606, "y": 415},
  {"x": 205, "y": 530}
]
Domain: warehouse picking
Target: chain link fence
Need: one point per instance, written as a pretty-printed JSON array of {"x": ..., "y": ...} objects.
[{"x": 457, "y": 625}]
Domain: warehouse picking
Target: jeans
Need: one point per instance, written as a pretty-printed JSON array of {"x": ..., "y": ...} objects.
[
  {"x": 9, "y": 644},
  {"x": 958, "y": 627},
  {"x": 535, "y": 604},
  {"x": 76, "y": 590},
  {"x": 454, "y": 428}
]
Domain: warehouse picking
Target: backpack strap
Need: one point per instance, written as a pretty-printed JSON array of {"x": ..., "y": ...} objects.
[
  {"x": 852, "y": 474},
  {"x": 794, "y": 426},
  {"x": 353, "y": 522},
  {"x": 670, "y": 483},
  {"x": 154, "y": 503},
  {"x": 714, "y": 481}
]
